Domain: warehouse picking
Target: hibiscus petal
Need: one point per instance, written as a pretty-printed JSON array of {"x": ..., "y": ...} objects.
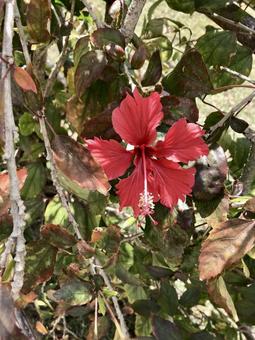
[
  {"x": 136, "y": 119},
  {"x": 172, "y": 181},
  {"x": 131, "y": 188},
  {"x": 113, "y": 158},
  {"x": 182, "y": 142}
]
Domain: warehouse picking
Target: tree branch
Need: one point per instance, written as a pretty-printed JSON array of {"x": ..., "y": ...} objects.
[
  {"x": 248, "y": 175},
  {"x": 131, "y": 19},
  {"x": 17, "y": 205},
  {"x": 236, "y": 109},
  {"x": 237, "y": 75},
  {"x": 97, "y": 21}
]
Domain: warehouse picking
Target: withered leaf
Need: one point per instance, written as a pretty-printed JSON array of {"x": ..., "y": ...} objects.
[
  {"x": 38, "y": 16},
  {"x": 57, "y": 236},
  {"x": 4, "y": 189},
  {"x": 175, "y": 108},
  {"x": 226, "y": 245},
  {"x": 103, "y": 36},
  {"x": 190, "y": 77},
  {"x": 220, "y": 296},
  {"x": 40, "y": 262},
  {"x": 250, "y": 205},
  {"x": 77, "y": 164},
  {"x": 139, "y": 57},
  {"x": 154, "y": 70},
  {"x": 24, "y": 80},
  {"x": 89, "y": 69}
]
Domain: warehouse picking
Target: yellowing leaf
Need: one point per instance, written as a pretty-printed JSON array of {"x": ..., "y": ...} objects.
[{"x": 220, "y": 295}]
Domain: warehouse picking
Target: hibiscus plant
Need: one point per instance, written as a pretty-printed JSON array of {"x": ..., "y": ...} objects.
[{"x": 127, "y": 169}]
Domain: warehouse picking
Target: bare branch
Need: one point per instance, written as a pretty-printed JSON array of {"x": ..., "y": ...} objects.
[
  {"x": 237, "y": 75},
  {"x": 236, "y": 109},
  {"x": 131, "y": 19},
  {"x": 97, "y": 21},
  {"x": 238, "y": 25},
  {"x": 248, "y": 175},
  {"x": 17, "y": 205}
]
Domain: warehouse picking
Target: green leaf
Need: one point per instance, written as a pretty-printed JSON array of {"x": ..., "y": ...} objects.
[
  {"x": 154, "y": 70},
  {"x": 142, "y": 326},
  {"x": 191, "y": 296},
  {"x": 210, "y": 5},
  {"x": 157, "y": 28},
  {"x": 55, "y": 213},
  {"x": 168, "y": 298},
  {"x": 35, "y": 181},
  {"x": 145, "y": 307},
  {"x": 217, "y": 47},
  {"x": 186, "y": 6},
  {"x": 165, "y": 330},
  {"x": 134, "y": 293},
  {"x": 38, "y": 16},
  {"x": 57, "y": 236},
  {"x": 126, "y": 277},
  {"x": 163, "y": 44},
  {"x": 40, "y": 262},
  {"x": 81, "y": 48},
  {"x": 189, "y": 78},
  {"x": 27, "y": 124},
  {"x": 73, "y": 293},
  {"x": 241, "y": 62},
  {"x": 89, "y": 69}
]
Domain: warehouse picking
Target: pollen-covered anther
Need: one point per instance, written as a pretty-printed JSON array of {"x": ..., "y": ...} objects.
[{"x": 146, "y": 204}]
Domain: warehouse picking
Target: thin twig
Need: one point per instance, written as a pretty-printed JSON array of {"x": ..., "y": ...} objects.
[
  {"x": 23, "y": 39},
  {"x": 131, "y": 19},
  {"x": 97, "y": 21},
  {"x": 61, "y": 59},
  {"x": 54, "y": 177},
  {"x": 17, "y": 205},
  {"x": 114, "y": 300},
  {"x": 237, "y": 74},
  {"x": 233, "y": 111}
]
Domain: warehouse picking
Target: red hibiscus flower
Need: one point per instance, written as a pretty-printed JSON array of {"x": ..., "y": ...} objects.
[{"x": 157, "y": 175}]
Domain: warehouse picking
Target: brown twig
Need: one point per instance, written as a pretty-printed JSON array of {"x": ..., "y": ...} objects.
[
  {"x": 248, "y": 175},
  {"x": 131, "y": 19},
  {"x": 17, "y": 205}
]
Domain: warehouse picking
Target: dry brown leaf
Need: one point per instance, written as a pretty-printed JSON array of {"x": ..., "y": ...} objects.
[
  {"x": 76, "y": 163},
  {"x": 225, "y": 246},
  {"x": 24, "y": 80},
  {"x": 41, "y": 328}
]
